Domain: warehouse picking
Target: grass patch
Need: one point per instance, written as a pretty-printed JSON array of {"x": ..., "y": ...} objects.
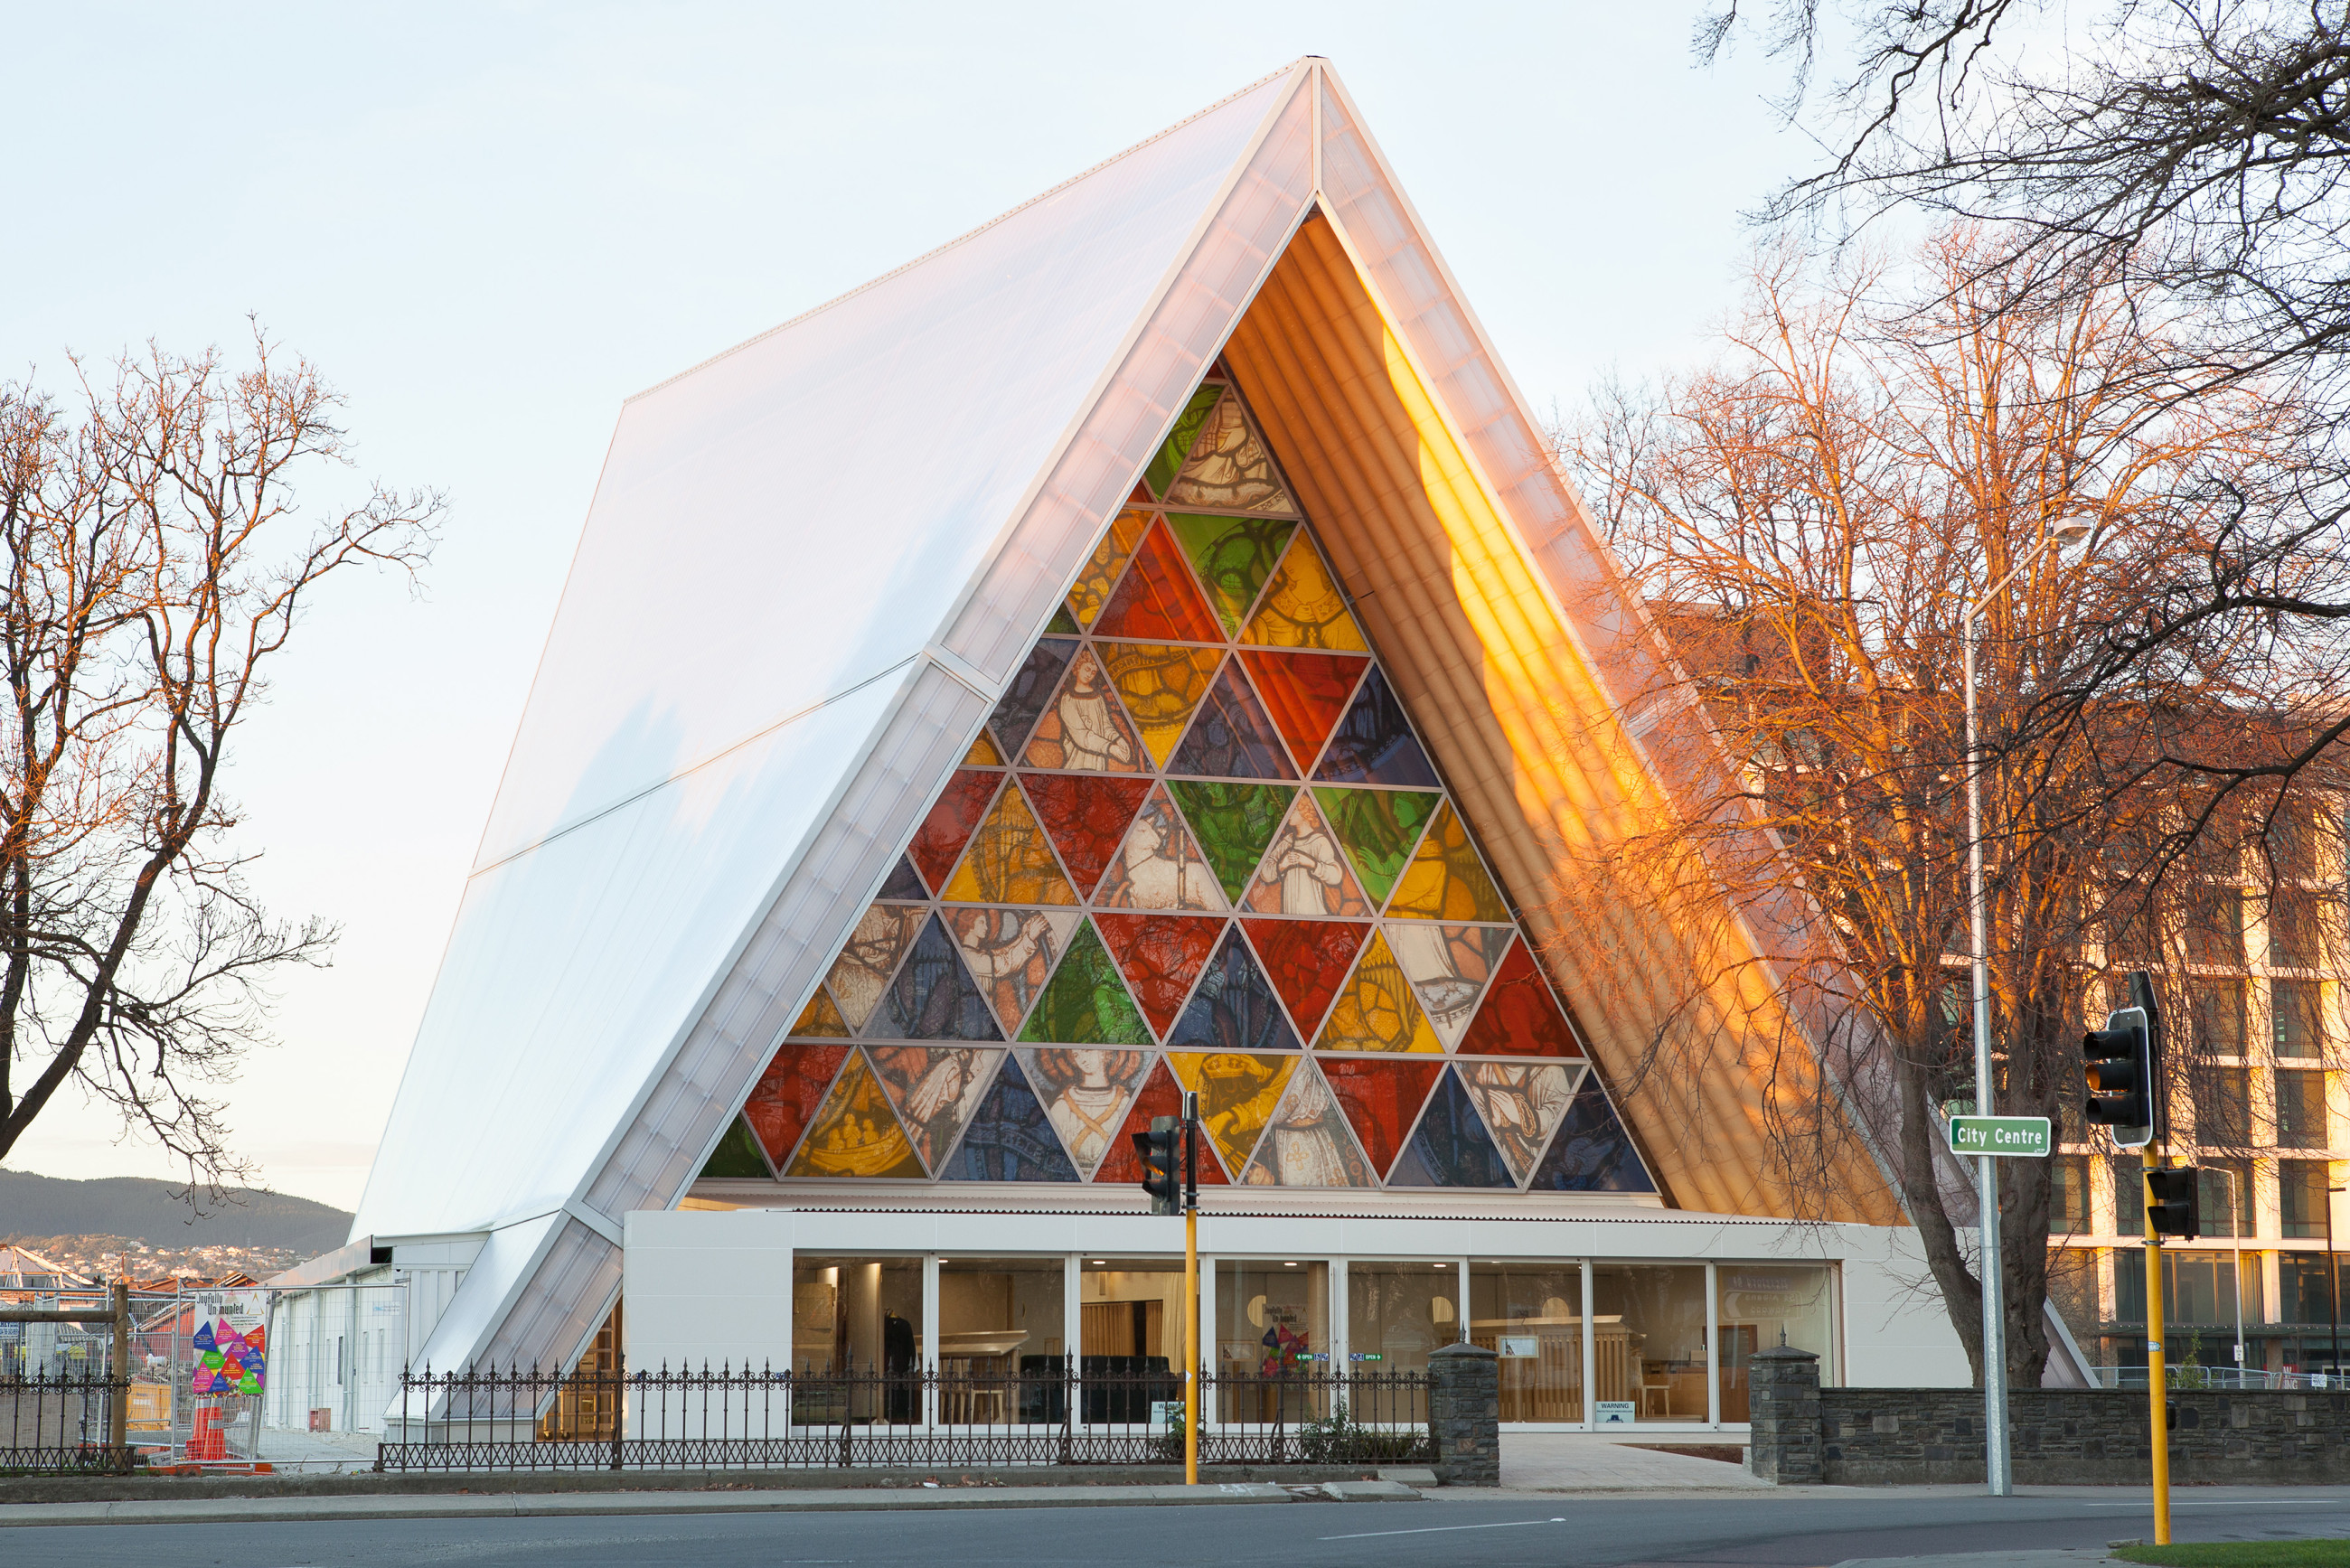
[{"x": 2242, "y": 1555}]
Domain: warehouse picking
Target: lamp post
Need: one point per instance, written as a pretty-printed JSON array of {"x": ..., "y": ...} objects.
[
  {"x": 2333, "y": 1296},
  {"x": 2236, "y": 1212},
  {"x": 1994, "y": 1327}
]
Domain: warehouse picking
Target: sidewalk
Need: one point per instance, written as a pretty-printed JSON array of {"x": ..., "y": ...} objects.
[
  {"x": 1588, "y": 1461},
  {"x": 2039, "y": 1557},
  {"x": 568, "y": 1505}
]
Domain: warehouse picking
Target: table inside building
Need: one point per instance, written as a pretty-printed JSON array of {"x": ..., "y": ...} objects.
[{"x": 976, "y": 1376}]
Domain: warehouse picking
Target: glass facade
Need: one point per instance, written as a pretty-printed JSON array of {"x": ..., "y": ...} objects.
[
  {"x": 1649, "y": 1341},
  {"x": 1761, "y": 1307},
  {"x": 1272, "y": 1319},
  {"x": 862, "y": 1315},
  {"x": 1531, "y": 1314},
  {"x": 1397, "y": 1312}
]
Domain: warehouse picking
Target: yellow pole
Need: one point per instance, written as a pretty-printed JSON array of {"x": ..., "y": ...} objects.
[
  {"x": 1191, "y": 1348},
  {"x": 2157, "y": 1390}
]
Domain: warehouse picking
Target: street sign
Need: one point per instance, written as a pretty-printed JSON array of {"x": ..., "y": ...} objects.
[{"x": 2025, "y": 1135}]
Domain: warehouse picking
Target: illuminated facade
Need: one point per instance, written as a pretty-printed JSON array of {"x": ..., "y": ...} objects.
[{"x": 1141, "y": 646}]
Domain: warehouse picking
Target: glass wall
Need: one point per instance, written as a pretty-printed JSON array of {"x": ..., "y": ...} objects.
[
  {"x": 1001, "y": 1333},
  {"x": 1531, "y": 1314},
  {"x": 1760, "y": 1306},
  {"x": 1272, "y": 1321},
  {"x": 861, "y": 1316},
  {"x": 1397, "y": 1312},
  {"x": 1647, "y": 1330}
]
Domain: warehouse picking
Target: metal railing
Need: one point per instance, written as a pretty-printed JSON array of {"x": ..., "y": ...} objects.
[
  {"x": 61, "y": 1421},
  {"x": 2190, "y": 1379},
  {"x": 738, "y": 1418}
]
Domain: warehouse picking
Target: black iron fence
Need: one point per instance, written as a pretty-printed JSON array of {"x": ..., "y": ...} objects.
[
  {"x": 1051, "y": 1414},
  {"x": 61, "y": 1421}
]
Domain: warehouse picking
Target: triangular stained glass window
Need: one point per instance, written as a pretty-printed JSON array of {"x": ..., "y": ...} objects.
[
  {"x": 1376, "y": 1010},
  {"x": 1011, "y": 953},
  {"x": 1010, "y": 861},
  {"x": 1168, "y": 463},
  {"x": 1307, "y": 1143},
  {"x": 1085, "y": 1002},
  {"x": 1451, "y": 1147},
  {"x": 1231, "y": 737},
  {"x": 857, "y": 1133},
  {"x": 1303, "y": 607},
  {"x": 1160, "y": 955},
  {"x": 1010, "y": 1137},
  {"x": 1304, "y": 872},
  {"x": 1306, "y": 960},
  {"x": 1084, "y": 1094},
  {"x": 1449, "y": 966},
  {"x": 1087, "y": 817},
  {"x": 1304, "y": 693},
  {"x": 1382, "y": 1100},
  {"x": 1233, "y": 1007},
  {"x": 737, "y": 1157},
  {"x": 1158, "y": 601},
  {"x": 1591, "y": 1152},
  {"x": 903, "y": 885},
  {"x": 1374, "y": 743},
  {"x": 960, "y": 808},
  {"x": 1229, "y": 467},
  {"x": 1161, "y": 685},
  {"x": 1159, "y": 867},
  {"x": 1159, "y": 1098},
  {"x": 1446, "y": 879},
  {"x": 1234, "y": 823},
  {"x": 869, "y": 958},
  {"x": 1521, "y": 1103},
  {"x": 786, "y": 1098},
  {"x": 983, "y": 753},
  {"x": 1238, "y": 1095},
  {"x": 935, "y": 1089},
  {"x": 1519, "y": 1017},
  {"x": 933, "y": 996},
  {"x": 1378, "y": 829},
  {"x": 820, "y": 1019},
  {"x": 1102, "y": 568},
  {"x": 1031, "y": 688},
  {"x": 1233, "y": 557},
  {"x": 1085, "y": 728}
]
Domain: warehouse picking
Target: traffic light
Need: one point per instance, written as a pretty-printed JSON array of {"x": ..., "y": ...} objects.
[
  {"x": 1160, "y": 1179},
  {"x": 2125, "y": 1068},
  {"x": 2171, "y": 1205}
]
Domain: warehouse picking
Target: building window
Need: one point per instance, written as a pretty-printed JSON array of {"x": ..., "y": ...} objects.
[
  {"x": 1533, "y": 1315},
  {"x": 2068, "y": 1195},
  {"x": 2299, "y": 1021},
  {"x": 1763, "y": 1306},
  {"x": 2301, "y": 1196},
  {"x": 2294, "y": 930},
  {"x": 2129, "y": 1196},
  {"x": 2305, "y": 1294},
  {"x": 1273, "y": 1320},
  {"x": 1001, "y": 1329},
  {"x": 2301, "y": 1108},
  {"x": 2223, "y": 1106},
  {"x": 1397, "y": 1312},
  {"x": 861, "y": 1316},
  {"x": 2197, "y": 1287},
  {"x": 2219, "y": 1017},
  {"x": 1647, "y": 1328},
  {"x": 2215, "y": 928},
  {"x": 2225, "y": 1195}
]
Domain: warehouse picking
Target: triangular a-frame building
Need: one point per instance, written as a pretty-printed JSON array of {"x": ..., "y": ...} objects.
[{"x": 1142, "y": 646}]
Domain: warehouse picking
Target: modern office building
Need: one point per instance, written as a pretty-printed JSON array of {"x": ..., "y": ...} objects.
[{"x": 1142, "y": 646}]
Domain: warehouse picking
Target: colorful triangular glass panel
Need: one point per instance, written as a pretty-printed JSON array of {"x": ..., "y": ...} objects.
[
  {"x": 983, "y": 753},
  {"x": 1085, "y": 728},
  {"x": 1229, "y": 467},
  {"x": 1451, "y": 1147},
  {"x": 1234, "y": 1008},
  {"x": 1102, "y": 567},
  {"x": 1085, "y": 1094},
  {"x": 1232, "y": 737},
  {"x": 1087, "y": 814},
  {"x": 1373, "y": 743},
  {"x": 1381, "y": 1100},
  {"x": 1062, "y": 623},
  {"x": 960, "y": 808},
  {"x": 857, "y": 1133},
  {"x": 1238, "y": 1095},
  {"x": 1233, "y": 823},
  {"x": 1377, "y": 828},
  {"x": 1376, "y": 1010},
  {"x": 903, "y": 885},
  {"x": 1160, "y": 684},
  {"x": 1304, "y": 872},
  {"x": 737, "y": 1157},
  {"x": 1591, "y": 1152},
  {"x": 1158, "y": 602},
  {"x": 1519, "y": 1016},
  {"x": 820, "y": 1019},
  {"x": 1521, "y": 1103},
  {"x": 1085, "y": 1002},
  {"x": 1010, "y": 860},
  {"x": 867, "y": 960},
  {"x": 1449, "y": 966},
  {"x": 1010, "y": 1137},
  {"x": 933, "y": 996},
  {"x": 1159, "y": 1098},
  {"x": 1446, "y": 880},
  {"x": 1159, "y": 867},
  {"x": 1168, "y": 463},
  {"x": 787, "y": 1094},
  {"x": 1306, "y": 960},
  {"x": 1160, "y": 955},
  {"x": 1304, "y": 693},
  {"x": 1233, "y": 557},
  {"x": 936, "y": 1090},
  {"x": 1031, "y": 687},
  {"x": 1011, "y": 953},
  {"x": 1303, "y": 607},
  {"x": 1307, "y": 1143}
]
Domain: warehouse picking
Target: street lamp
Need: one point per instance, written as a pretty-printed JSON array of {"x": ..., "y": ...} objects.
[{"x": 1994, "y": 1326}]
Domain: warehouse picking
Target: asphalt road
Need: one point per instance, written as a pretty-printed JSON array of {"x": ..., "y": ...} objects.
[{"x": 1776, "y": 1529}]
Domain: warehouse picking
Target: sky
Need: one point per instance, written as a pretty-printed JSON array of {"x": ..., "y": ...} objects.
[{"x": 488, "y": 223}]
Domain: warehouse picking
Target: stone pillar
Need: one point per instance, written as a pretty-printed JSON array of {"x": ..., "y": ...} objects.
[
  {"x": 1783, "y": 1399},
  {"x": 1464, "y": 1414}
]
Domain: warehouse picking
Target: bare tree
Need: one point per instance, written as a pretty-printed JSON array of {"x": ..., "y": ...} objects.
[
  {"x": 1807, "y": 518},
  {"x": 158, "y": 561}
]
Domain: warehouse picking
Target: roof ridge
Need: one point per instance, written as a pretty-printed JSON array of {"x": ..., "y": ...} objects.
[{"x": 971, "y": 234}]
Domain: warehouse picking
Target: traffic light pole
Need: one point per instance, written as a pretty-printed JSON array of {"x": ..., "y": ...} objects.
[
  {"x": 1190, "y": 1289},
  {"x": 2157, "y": 1379},
  {"x": 1994, "y": 1311}
]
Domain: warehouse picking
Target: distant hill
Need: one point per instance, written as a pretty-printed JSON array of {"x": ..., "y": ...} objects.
[{"x": 146, "y": 1210}]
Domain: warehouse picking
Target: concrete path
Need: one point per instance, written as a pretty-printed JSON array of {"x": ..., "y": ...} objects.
[
  {"x": 2079, "y": 1557},
  {"x": 1587, "y": 1461}
]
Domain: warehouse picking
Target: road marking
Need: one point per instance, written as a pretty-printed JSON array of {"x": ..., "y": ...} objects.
[{"x": 1442, "y": 1529}]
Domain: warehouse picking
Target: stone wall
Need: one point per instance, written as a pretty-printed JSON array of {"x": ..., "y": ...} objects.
[
  {"x": 1886, "y": 1437},
  {"x": 1464, "y": 1414}
]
